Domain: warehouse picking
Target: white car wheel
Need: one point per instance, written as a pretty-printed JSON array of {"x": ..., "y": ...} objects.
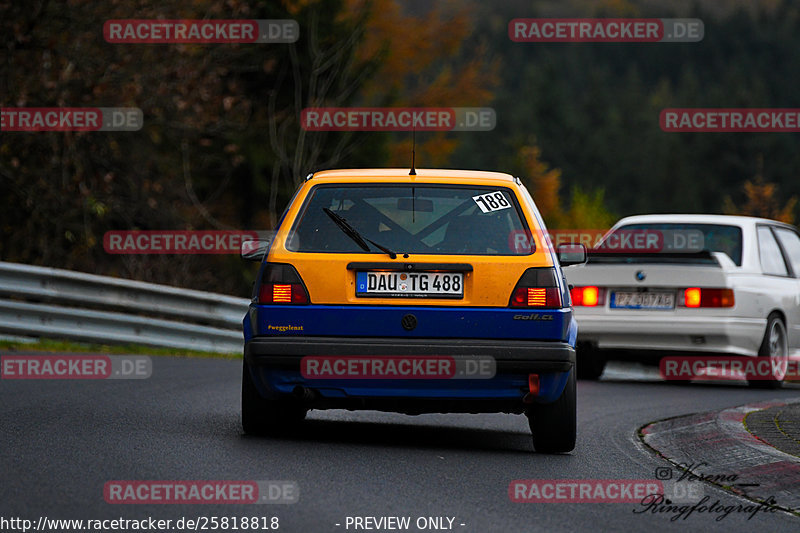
[{"x": 775, "y": 346}]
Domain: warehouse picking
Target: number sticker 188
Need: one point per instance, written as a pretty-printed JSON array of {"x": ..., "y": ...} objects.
[{"x": 492, "y": 201}]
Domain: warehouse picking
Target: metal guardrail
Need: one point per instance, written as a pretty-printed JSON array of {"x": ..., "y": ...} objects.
[{"x": 90, "y": 308}]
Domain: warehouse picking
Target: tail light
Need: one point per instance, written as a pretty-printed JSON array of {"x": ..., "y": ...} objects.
[
  {"x": 590, "y": 296},
  {"x": 699, "y": 297},
  {"x": 533, "y": 384},
  {"x": 281, "y": 284},
  {"x": 537, "y": 288}
]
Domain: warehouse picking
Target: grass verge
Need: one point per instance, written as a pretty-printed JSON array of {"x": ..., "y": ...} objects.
[{"x": 62, "y": 346}]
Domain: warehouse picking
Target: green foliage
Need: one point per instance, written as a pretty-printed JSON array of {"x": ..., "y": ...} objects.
[
  {"x": 63, "y": 346},
  {"x": 594, "y": 107},
  {"x": 587, "y": 210}
]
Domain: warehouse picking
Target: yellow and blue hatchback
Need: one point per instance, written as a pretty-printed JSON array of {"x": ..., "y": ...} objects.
[{"x": 414, "y": 292}]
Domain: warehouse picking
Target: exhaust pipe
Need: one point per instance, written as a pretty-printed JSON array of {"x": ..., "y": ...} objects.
[
  {"x": 533, "y": 389},
  {"x": 304, "y": 394}
]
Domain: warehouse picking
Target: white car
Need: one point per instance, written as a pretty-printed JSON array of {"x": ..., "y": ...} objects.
[{"x": 689, "y": 285}]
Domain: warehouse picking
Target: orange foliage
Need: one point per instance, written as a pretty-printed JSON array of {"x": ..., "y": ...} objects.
[
  {"x": 543, "y": 182},
  {"x": 761, "y": 201},
  {"x": 422, "y": 65}
]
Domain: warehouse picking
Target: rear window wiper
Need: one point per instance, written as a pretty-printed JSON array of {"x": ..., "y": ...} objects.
[{"x": 359, "y": 239}]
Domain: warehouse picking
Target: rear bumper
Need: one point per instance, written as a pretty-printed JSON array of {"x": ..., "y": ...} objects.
[
  {"x": 275, "y": 364},
  {"x": 511, "y": 357},
  {"x": 661, "y": 332},
  {"x": 343, "y": 322}
]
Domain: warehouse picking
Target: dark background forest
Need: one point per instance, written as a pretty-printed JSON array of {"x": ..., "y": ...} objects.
[{"x": 222, "y": 148}]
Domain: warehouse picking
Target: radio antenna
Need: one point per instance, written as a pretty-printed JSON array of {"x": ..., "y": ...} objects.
[{"x": 413, "y": 171}]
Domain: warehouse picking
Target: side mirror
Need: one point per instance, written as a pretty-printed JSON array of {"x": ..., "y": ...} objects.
[
  {"x": 254, "y": 250},
  {"x": 570, "y": 253}
]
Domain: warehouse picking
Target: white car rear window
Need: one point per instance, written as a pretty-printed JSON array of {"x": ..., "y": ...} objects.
[{"x": 716, "y": 237}]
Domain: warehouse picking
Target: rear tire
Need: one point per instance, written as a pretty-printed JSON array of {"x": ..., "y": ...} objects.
[
  {"x": 590, "y": 363},
  {"x": 774, "y": 347},
  {"x": 553, "y": 425},
  {"x": 261, "y": 416}
]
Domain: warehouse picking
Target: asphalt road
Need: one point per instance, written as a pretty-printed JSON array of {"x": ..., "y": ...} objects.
[{"x": 61, "y": 441}]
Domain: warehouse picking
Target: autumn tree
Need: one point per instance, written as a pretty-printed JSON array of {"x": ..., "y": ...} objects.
[
  {"x": 221, "y": 145},
  {"x": 428, "y": 58},
  {"x": 585, "y": 210},
  {"x": 762, "y": 200}
]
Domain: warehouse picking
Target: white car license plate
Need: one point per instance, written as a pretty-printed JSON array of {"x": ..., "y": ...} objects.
[
  {"x": 642, "y": 300},
  {"x": 410, "y": 284}
]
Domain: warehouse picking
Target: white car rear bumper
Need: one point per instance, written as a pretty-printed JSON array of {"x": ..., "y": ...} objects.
[{"x": 740, "y": 336}]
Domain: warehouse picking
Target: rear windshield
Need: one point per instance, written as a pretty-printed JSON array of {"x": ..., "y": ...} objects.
[
  {"x": 716, "y": 237},
  {"x": 424, "y": 219}
]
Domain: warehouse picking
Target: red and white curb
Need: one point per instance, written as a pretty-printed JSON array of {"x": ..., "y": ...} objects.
[{"x": 718, "y": 444}]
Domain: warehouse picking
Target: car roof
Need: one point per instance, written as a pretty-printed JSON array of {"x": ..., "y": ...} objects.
[
  {"x": 402, "y": 175},
  {"x": 731, "y": 220}
]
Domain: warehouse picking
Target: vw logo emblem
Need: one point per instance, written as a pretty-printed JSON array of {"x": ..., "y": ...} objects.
[
  {"x": 409, "y": 322},
  {"x": 640, "y": 275}
]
